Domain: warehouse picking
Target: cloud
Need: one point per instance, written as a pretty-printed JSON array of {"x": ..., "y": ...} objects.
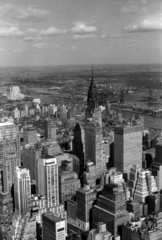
[
  {"x": 129, "y": 8},
  {"x": 148, "y": 24},
  {"x": 32, "y": 38},
  {"x": 103, "y": 36},
  {"x": 85, "y": 36},
  {"x": 81, "y": 28},
  {"x": 133, "y": 41},
  {"x": 29, "y": 13},
  {"x": 52, "y": 31},
  {"x": 116, "y": 35},
  {"x": 5, "y": 24},
  {"x": 18, "y": 51},
  {"x": 10, "y": 32},
  {"x": 39, "y": 45},
  {"x": 2, "y": 50},
  {"x": 31, "y": 31},
  {"x": 134, "y": 6},
  {"x": 74, "y": 48}
]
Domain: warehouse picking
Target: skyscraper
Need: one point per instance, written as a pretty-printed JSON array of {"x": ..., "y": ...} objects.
[
  {"x": 9, "y": 152},
  {"x": 47, "y": 180},
  {"x": 110, "y": 208},
  {"x": 91, "y": 99},
  {"x": 50, "y": 130},
  {"x": 93, "y": 130},
  {"x": 22, "y": 190},
  {"x": 93, "y": 145},
  {"x": 53, "y": 228},
  {"x": 127, "y": 147},
  {"x": 78, "y": 146},
  {"x": 30, "y": 135},
  {"x": 156, "y": 166}
]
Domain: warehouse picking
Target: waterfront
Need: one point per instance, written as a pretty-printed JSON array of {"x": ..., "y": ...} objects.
[{"x": 149, "y": 121}]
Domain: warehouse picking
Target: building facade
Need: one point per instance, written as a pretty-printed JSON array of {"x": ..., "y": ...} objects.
[
  {"x": 22, "y": 190},
  {"x": 53, "y": 228},
  {"x": 9, "y": 152},
  {"x": 127, "y": 147},
  {"x": 47, "y": 180}
]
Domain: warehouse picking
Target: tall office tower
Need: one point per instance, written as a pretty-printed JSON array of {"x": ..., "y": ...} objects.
[
  {"x": 30, "y": 135},
  {"x": 63, "y": 113},
  {"x": 22, "y": 190},
  {"x": 132, "y": 179},
  {"x": 156, "y": 166},
  {"x": 26, "y": 110},
  {"x": 154, "y": 203},
  {"x": 90, "y": 176},
  {"x": 93, "y": 145},
  {"x": 1, "y": 178},
  {"x": 127, "y": 147},
  {"x": 85, "y": 197},
  {"x": 47, "y": 180},
  {"x": 29, "y": 159},
  {"x": 78, "y": 146},
  {"x": 68, "y": 182},
  {"x": 53, "y": 228},
  {"x": 145, "y": 185},
  {"x": 110, "y": 208},
  {"x": 6, "y": 213},
  {"x": 9, "y": 152},
  {"x": 78, "y": 212},
  {"x": 50, "y": 130}
]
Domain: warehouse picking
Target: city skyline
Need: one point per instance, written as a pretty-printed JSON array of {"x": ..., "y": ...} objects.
[{"x": 57, "y": 32}]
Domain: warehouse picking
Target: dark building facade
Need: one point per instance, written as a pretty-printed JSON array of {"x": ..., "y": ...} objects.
[{"x": 110, "y": 208}]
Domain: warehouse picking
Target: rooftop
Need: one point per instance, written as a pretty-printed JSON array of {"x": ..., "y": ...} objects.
[
  {"x": 53, "y": 217},
  {"x": 3, "y": 124}
]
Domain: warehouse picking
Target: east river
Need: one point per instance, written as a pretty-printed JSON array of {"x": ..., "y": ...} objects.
[{"x": 149, "y": 121}]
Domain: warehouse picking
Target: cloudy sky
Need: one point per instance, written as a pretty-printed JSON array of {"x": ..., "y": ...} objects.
[{"x": 54, "y": 32}]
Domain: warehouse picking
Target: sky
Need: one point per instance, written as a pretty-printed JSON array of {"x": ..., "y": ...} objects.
[{"x": 65, "y": 32}]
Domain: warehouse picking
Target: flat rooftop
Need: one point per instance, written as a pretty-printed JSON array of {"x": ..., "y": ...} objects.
[
  {"x": 3, "y": 124},
  {"x": 53, "y": 217}
]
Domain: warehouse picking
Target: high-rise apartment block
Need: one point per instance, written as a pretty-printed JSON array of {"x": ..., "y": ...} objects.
[
  {"x": 110, "y": 208},
  {"x": 9, "y": 152},
  {"x": 30, "y": 135},
  {"x": 127, "y": 147},
  {"x": 47, "y": 180},
  {"x": 53, "y": 228},
  {"x": 22, "y": 190},
  {"x": 50, "y": 130}
]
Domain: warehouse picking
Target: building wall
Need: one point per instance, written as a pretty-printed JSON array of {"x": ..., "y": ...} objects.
[
  {"x": 10, "y": 152},
  {"x": 127, "y": 148},
  {"x": 93, "y": 144}
]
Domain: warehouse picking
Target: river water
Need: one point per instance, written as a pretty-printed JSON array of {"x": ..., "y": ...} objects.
[{"x": 149, "y": 121}]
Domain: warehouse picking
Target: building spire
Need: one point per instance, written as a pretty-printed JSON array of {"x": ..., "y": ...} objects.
[
  {"x": 92, "y": 71},
  {"x": 91, "y": 98}
]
